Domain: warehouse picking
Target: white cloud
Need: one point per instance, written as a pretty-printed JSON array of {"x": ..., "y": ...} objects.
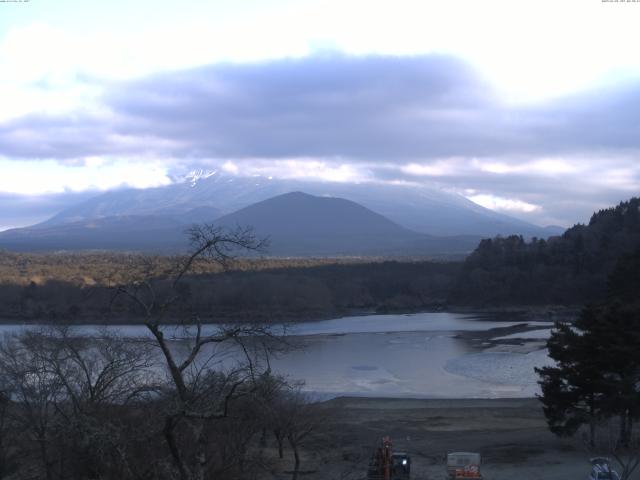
[
  {"x": 299, "y": 168},
  {"x": 230, "y": 167},
  {"x": 543, "y": 166},
  {"x": 48, "y": 176},
  {"x": 431, "y": 169},
  {"x": 504, "y": 204}
]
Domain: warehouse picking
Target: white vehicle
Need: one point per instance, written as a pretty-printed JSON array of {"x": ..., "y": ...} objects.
[
  {"x": 463, "y": 465},
  {"x": 601, "y": 469}
]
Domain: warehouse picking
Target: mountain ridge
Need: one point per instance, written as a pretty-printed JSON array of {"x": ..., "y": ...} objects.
[
  {"x": 422, "y": 209},
  {"x": 298, "y": 224}
]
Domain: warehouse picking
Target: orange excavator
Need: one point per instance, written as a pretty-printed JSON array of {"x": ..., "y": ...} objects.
[{"x": 387, "y": 465}]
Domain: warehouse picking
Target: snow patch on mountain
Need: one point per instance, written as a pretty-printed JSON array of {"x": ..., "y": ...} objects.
[{"x": 194, "y": 176}]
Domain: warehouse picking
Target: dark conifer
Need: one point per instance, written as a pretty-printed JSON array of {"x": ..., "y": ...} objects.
[{"x": 597, "y": 372}]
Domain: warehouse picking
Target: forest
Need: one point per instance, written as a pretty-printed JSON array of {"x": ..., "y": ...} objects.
[
  {"x": 565, "y": 270},
  {"x": 286, "y": 293}
]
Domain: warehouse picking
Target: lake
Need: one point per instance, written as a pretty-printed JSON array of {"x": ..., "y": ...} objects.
[{"x": 429, "y": 355}]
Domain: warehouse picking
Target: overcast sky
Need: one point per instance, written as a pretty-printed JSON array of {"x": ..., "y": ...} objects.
[{"x": 529, "y": 108}]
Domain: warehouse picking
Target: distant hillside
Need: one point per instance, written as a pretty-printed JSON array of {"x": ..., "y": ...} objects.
[
  {"x": 419, "y": 208},
  {"x": 131, "y": 233},
  {"x": 296, "y": 223},
  {"x": 150, "y": 233},
  {"x": 569, "y": 269}
]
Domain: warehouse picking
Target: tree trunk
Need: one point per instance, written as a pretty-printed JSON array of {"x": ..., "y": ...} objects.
[
  {"x": 263, "y": 437},
  {"x": 624, "y": 438},
  {"x": 280, "y": 441},
  {"x": 169, "y": 425},
  {"x": 201, "y": 454},
  {"x": 45, "y": 457},
  {"x": 175, "y": 372},
  {"x": 296, "y": 457},
  {"x": 592, "y": 423}
]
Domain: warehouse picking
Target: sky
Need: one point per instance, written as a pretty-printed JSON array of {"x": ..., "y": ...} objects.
[{"x": 529, "y": 108}]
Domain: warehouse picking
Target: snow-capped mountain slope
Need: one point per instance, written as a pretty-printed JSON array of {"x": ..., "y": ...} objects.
[{"x": 422, "y": 209}]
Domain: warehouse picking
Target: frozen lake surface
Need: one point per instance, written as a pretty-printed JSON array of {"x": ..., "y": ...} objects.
[
  {"x": 415, "y": 355},
  {"x": 414, "y": 322}
]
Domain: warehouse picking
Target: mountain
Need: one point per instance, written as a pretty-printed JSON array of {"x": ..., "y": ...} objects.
[
  {"x": 425, "y": 210},
  {"x": 297, "y": 224},
  {"x": 125, "y": 232},
  {"x": 161, "y": 233},
  {"x": 300, "y": 224}
]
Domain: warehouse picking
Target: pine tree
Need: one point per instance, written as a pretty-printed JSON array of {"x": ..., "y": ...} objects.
[
  {"x": 573, "y": 392},
  {"x": 597, "y": 372}
]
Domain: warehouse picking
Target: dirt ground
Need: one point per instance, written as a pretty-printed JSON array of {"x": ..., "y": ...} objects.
[{"x": 511, "y": 435}]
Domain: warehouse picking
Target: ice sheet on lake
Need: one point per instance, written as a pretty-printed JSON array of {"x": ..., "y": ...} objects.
[
  {"x": 417, "y": 322},
  {"x": 542, "y": 334},
  {"x": 502, "y": 368}
]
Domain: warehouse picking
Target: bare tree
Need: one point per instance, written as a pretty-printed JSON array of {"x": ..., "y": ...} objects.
[
  {"x": 35, "y": 392},
  {"x": 304, "y": 420},
  {"x": 204, "y": 378},
  {"x": 604, "y": 443},
  {"x": 67, "y": 394},
  {"x": 272, "y": 409},
  {"x": 7, "y": 450},
  {"x": 292, "y": 417},
  {"x": 625, "y": 450},
  {"x": 102, "y": 370}
]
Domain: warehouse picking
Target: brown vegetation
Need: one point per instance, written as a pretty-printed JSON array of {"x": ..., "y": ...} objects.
[
  {"x": 104, "y": 268},
  {"x": 52, "y": 288}
]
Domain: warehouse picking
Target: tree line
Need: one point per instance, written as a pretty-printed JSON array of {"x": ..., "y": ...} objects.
[
  {"x": 566, "y": 270},
  {"x": 289, "y": 293}
]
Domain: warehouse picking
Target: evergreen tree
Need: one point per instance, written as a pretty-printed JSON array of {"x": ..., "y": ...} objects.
[
  {"x": 573, "y": 392},
  {"x": 597, "y": 372}
]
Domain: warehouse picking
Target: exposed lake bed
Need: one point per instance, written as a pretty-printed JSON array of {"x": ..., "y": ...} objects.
[{"x": 511, "y": 435}]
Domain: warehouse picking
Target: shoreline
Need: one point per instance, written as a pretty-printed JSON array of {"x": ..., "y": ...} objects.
[{"x": 528, "y": 313}]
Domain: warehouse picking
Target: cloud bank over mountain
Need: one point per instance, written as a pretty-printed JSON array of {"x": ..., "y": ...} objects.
[{"x": 428, "y": 119}]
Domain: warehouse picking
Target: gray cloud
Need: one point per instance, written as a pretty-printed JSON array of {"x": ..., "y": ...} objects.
[
  {"x": 361, "y": 108},
  {"x": 366, "y": 111},
  {"x": 366, "y": 108}
]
